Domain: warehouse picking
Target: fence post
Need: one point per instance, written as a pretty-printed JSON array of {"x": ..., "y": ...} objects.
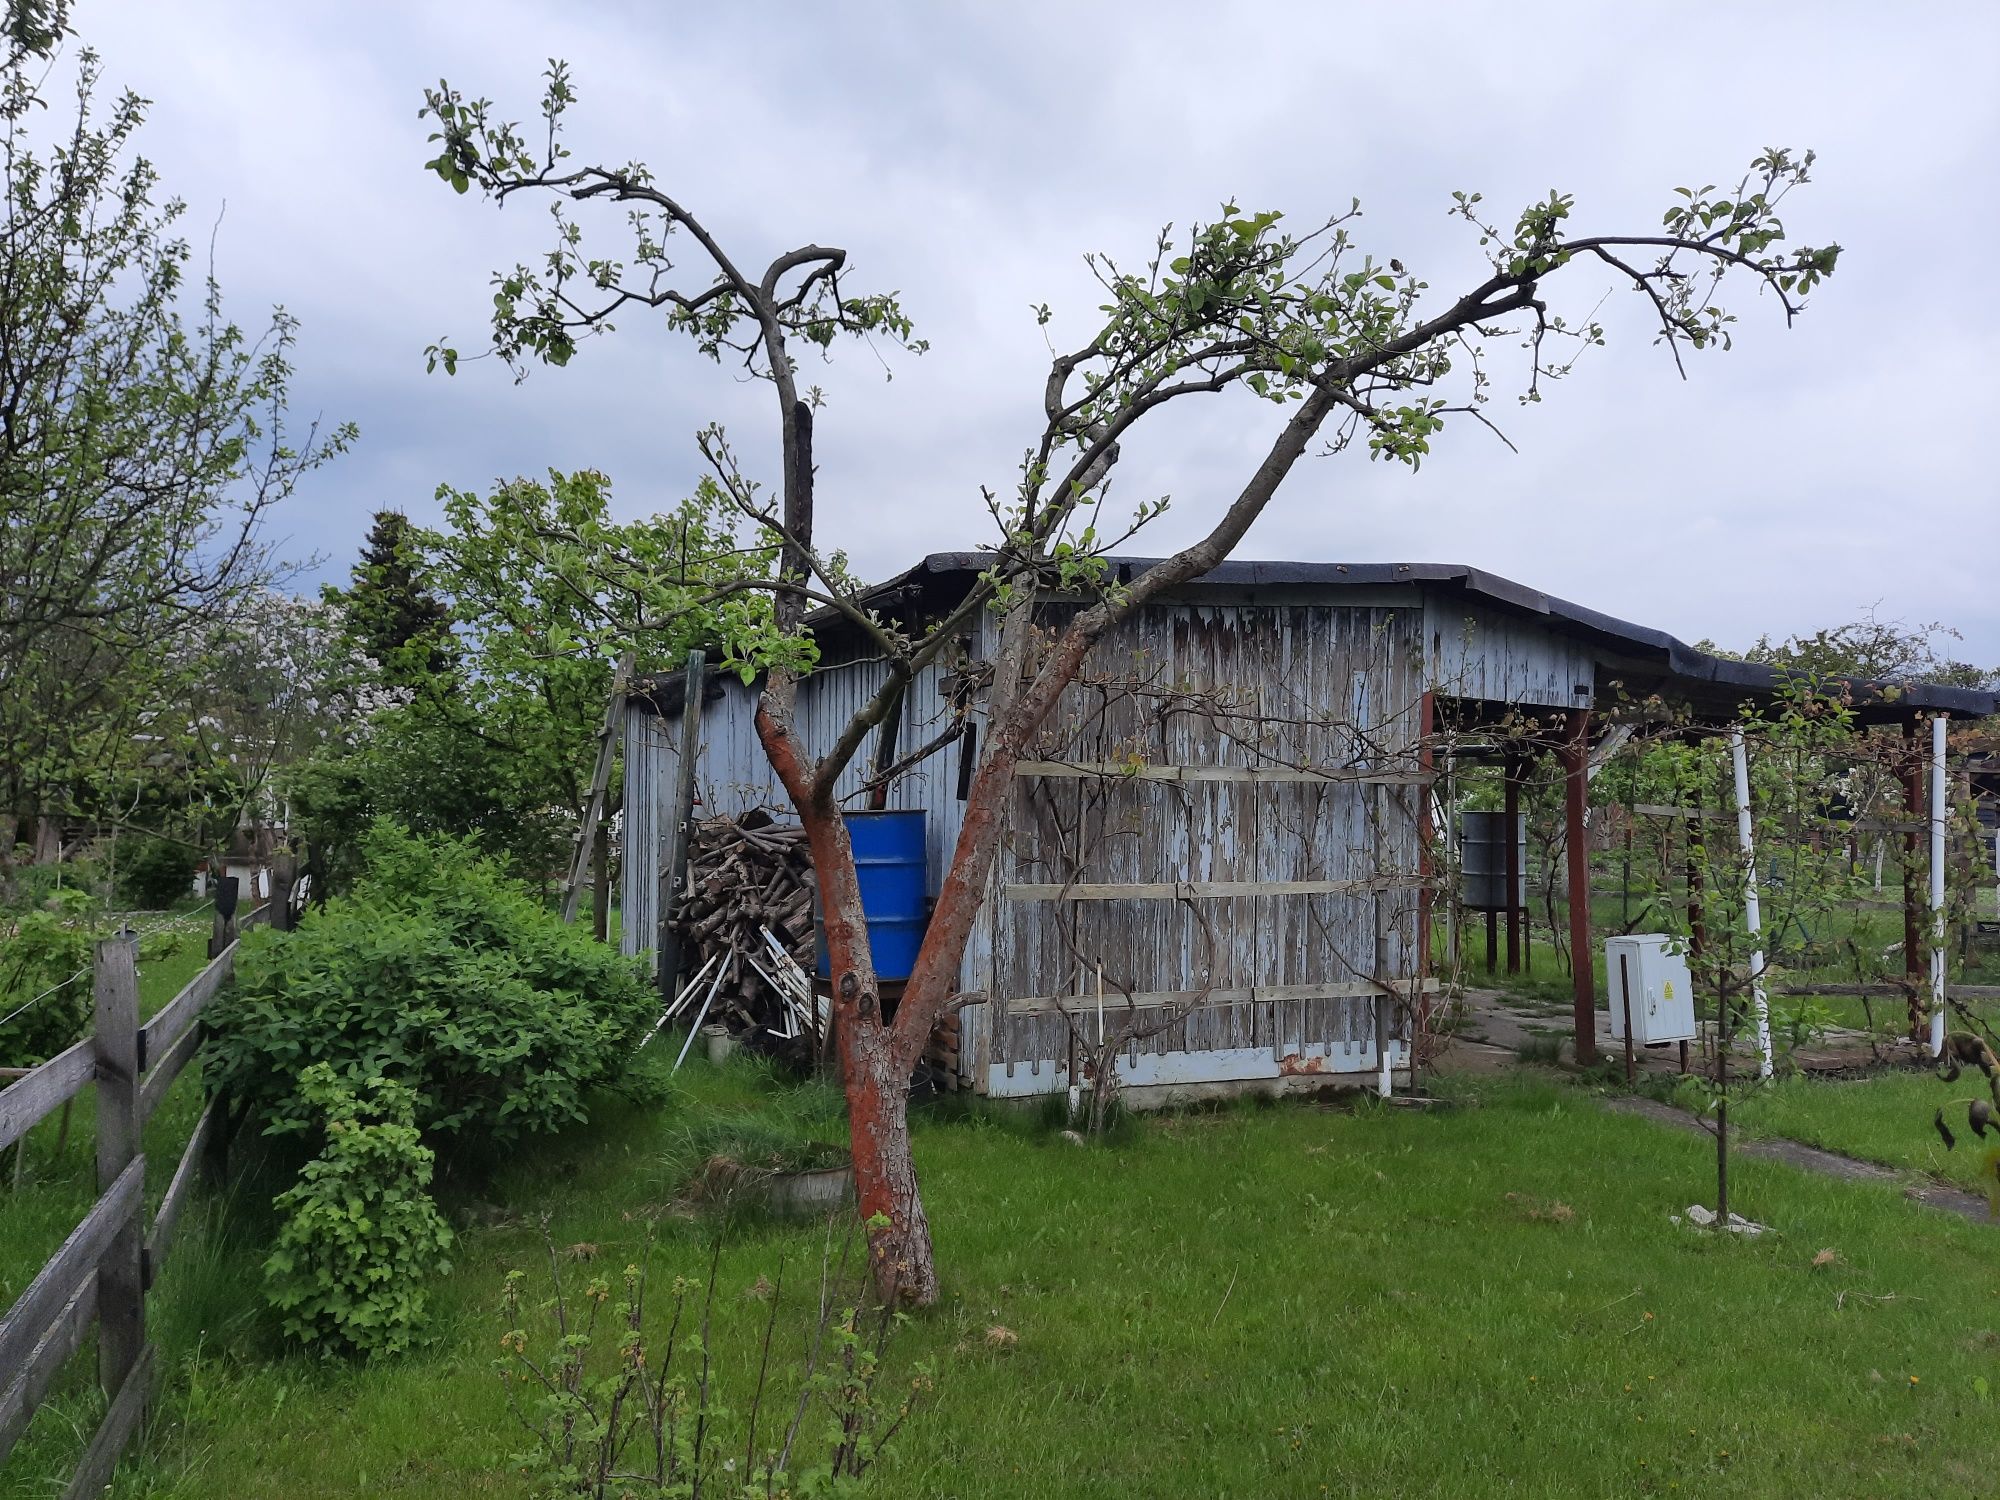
[
  {"x": 121, "y": 1289},
  {"x": 282, "y": 870},
  {"x": 224, "y": 932}
]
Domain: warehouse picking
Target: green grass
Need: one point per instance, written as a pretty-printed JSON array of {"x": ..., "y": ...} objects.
[
  {"x": 1883, "y": 1119},
  {"x": 1253, "y": 1301},
  {"x": 60, "y": 1186}
]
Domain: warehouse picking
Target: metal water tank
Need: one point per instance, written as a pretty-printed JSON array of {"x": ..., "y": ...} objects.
[{"x": 1482, "y": 859}]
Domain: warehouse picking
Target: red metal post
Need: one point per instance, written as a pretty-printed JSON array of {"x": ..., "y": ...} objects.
[{"x": 1575, "y": 759}]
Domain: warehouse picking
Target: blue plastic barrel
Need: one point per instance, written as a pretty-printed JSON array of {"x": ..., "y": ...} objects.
[{"x": 889, "y": 863}]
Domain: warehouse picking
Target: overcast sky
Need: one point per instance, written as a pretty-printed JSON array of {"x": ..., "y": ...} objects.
[{"x": 969, "y": 156}]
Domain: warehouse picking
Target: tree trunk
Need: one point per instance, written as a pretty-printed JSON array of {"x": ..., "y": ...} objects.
[
  {"x": 885, "y": 1170},
  {"x": 874, "y": 1075}
]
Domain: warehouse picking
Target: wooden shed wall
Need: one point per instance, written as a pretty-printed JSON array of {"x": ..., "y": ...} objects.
[
  {"x": 1477, "y": 651},
  {"x": 1213, "y": 758}
]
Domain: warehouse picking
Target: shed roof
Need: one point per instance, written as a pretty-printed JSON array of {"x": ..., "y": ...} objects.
[{"x": 1662, "y": 662}]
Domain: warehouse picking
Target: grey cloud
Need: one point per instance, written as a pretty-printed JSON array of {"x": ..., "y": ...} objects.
[{"x": 969, "y": 155}]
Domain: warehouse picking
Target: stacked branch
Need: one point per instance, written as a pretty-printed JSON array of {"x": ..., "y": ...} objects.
[{"x": 746, "y": 927}]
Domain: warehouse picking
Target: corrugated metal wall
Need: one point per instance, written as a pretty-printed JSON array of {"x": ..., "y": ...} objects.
[{"x": 732, "y": 775}]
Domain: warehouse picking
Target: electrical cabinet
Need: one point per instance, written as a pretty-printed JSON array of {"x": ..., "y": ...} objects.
[{"x": 1661, "y": 990}]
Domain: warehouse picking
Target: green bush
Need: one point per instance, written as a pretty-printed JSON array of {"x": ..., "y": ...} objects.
[
  {"x": 33, "y": 885},
  {"x": 361, "y": 1236},
  {"x": 440, "y": 973},
  {"x": 45, "y": 995},
  {"x": 153, "y": 873}
]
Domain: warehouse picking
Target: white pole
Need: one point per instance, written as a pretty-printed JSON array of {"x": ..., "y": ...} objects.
[
  {"x": 1753, "y": 916},
  {"x": 694, "y": 1030},
  {"x": 1937, "y": 885}
]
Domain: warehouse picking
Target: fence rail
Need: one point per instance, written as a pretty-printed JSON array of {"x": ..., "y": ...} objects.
[{"x": 101, "y": 1273}]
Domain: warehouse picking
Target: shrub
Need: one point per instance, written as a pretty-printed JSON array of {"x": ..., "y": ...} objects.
[
  {"x": 45, "y": 996},
  {"x": 440, "y": 973},
  {"x": 153, "y": 873},
  {"x": 361, "y": 1235},
  {"x": 33, "y": 885}
]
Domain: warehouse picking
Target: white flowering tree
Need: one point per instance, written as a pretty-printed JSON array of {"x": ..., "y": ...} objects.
[{"x": 144, "y": 443}]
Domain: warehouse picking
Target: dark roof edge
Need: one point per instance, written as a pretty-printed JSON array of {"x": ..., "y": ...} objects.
[{"x": 1679, "y": 659}]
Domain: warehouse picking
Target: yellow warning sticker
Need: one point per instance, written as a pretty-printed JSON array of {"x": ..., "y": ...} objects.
[{"x": 1670, "y": 989}]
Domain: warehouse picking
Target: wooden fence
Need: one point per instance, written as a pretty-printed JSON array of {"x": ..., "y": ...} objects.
[{"x": 102, "y": 1272}]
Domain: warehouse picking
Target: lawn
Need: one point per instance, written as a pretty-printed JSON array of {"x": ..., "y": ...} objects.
[
  {"x": 1884, "y": 1119},
  {"x": 1263, "y": 1300}
]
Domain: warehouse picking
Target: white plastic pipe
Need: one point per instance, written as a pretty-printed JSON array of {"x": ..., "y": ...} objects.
[
  {"x": 694, "y": 1029},
  {"x": 1937, "y": 885},
  {"x": 1753, "y": 917}
]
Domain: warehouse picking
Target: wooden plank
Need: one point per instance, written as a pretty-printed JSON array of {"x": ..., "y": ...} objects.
[
  {"x": 600, "y": 782},
  {"x": 65, "y": 1336},
  {"x": 1257, "y": 994},
  {"x": 121, "y": 1291},
  {"x": 1114, "y": 770},
  {"x": 164, "y": 1069},
  {"x": 1887, "y": 991},
  {"x": 1206, "y": 890},
  {"x": 34, "y": 1312},
  {"x": 24, "y": 1104},
  {"x": 172, "y": 1020},
  {"x": 1717, "y": 815},
  {"x": 159, "y": 1243},
  {"x": 1687, "y": 814},
  {"x": 114, "y": 1433}
]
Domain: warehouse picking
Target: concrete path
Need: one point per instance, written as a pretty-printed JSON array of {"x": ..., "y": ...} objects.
[
  {"x": 1498, "y": 1025},
  {"x": 1812, "y": 1159}
]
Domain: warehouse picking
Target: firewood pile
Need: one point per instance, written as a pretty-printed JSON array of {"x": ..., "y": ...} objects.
[{"x": 747, "y": 932}]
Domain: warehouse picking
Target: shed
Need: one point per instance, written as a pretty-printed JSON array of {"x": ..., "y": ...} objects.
[{"x": 1226, "y": 824}]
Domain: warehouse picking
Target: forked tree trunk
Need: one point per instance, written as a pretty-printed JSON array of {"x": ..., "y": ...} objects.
[
  {"x": 874, "y": 1074},
  {"x": 877, "y": 1060}
]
